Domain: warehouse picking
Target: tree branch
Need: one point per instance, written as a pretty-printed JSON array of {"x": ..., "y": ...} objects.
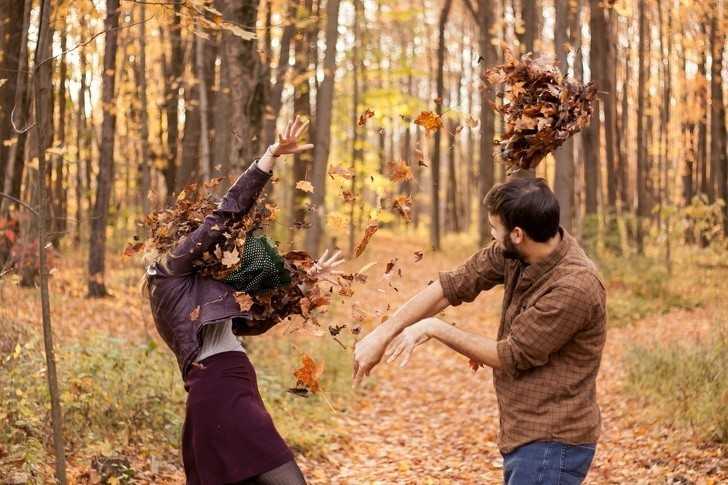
[{"x": 18, "y": 201}]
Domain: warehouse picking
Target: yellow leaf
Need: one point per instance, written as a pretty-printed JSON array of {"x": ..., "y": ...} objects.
[
  {"x": 238, "y": 31},
  {"x": 304, "y": 185}
]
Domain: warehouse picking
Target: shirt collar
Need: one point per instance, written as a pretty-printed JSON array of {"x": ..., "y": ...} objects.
[{"x": 533, "y": 272}]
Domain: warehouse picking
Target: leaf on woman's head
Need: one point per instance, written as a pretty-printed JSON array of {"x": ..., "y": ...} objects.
[
  {"x": 245, "y": 302},
  {"x": 230, "y": 258}
]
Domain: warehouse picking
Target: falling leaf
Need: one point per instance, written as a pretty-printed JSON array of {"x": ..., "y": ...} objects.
[
  {"x": 372, "y": 227},
  {"x": 132, "y": 248},
  {"x": 341, "y": 172},
  {"x": 245, "y": 302},
  {"x": 471, "y": 122},
  {"x": 348, "y": 196},
  {"x": 309, "y": 373},
  {"x": 390, "y": 265},
  {"x": 195, "y": 313},
  {"x": 399, "y": 171},
  {"x": 418, "y": 256},
  {"x": 304, "y": 185},
  {"x": 365, "y": 116},
  {"x": 403, "y": 205},
  {"x": 429, "y": 121},
  {"x": 336, "y": 330},
  {"x": 230, "y": 258},
  {"x": 238, "y": 31}
]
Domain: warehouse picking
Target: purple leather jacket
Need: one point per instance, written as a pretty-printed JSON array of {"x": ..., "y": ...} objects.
[{"x": 175, "y": 288}]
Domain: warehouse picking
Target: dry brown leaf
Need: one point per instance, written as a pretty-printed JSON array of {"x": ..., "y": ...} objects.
[
  {"x": 195, "y": 313},
  {"x": 364, "y": 117},
  {"x": 245, "y": 302},
  {"x": 372, "y": 227},
  {"x": 399, "y": 171}
]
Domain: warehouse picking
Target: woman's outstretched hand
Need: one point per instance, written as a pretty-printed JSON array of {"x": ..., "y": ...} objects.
[
  {"x": 325, "y": 267},
  {"x": 287, "y": 143}
]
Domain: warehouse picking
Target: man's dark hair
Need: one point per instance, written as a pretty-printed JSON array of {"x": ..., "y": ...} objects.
[{"x": 527, "y": 203}]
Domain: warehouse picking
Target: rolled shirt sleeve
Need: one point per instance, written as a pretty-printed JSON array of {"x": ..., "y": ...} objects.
[
  {"x": 547, "y": 325},
  {"x": 481, "y": 272}
]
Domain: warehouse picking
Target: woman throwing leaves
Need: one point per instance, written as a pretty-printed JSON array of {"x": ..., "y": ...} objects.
[{"x": 201, "y": 297}]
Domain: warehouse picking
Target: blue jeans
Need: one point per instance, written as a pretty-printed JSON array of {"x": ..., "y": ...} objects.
[{"x": 547, "y": 463}]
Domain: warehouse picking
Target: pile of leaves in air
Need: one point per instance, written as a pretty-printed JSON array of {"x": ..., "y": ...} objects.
[
  {"x": 541, "y": 109},
  {"x": 169, "y": 226}
]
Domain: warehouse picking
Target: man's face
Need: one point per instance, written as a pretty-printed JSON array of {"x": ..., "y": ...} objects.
[{"x": 501, "y": 234}]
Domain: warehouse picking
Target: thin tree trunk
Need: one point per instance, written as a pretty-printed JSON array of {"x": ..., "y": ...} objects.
[
  {"x": 322, "y": 144},
  {"x": 642, "y": 202},
  {"x": 204, "y": 164},
  {"x": 564, "y": 155},
  {"x": 718, "y": 141},
  {"x": 487, "y": 119},
  {"x": 145, "y": 162},
  {"x": 11, "y": 50},
  {"x": 104, "y": 184},
  {"x": 42, "y": 94},
  {"x": 16, "y": 152},
  {"x": 435, "y": 174}
]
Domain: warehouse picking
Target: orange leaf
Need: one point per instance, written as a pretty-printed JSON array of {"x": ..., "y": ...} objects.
[
  {"x": 400, "y": 171},
  {"x": 429, "y": 120},
  {"x": 371, "y": 229},
  {"x": 309, "y": 373}
]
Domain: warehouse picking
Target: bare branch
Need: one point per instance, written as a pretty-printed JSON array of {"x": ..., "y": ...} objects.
[{"x": 18, "y": 201}]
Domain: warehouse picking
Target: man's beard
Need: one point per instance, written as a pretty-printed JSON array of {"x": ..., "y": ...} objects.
[{"x": 510, "y": 251}]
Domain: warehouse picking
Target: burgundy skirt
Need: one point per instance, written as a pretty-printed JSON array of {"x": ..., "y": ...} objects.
[{"x": 228, "y": 435}]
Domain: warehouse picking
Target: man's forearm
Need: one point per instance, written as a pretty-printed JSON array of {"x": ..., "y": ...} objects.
[
  {"x": 428, "y": 302},
  {"x": 476, "y": 347}
]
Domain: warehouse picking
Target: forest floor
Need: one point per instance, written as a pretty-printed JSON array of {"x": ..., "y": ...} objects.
[{"x": 434, "y": 421}]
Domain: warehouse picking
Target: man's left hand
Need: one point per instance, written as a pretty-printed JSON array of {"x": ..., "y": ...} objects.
[{"x": 404, "y": 344}]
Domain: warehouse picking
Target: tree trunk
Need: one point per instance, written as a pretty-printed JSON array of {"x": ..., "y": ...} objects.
[
  {"x": 302, "y": 107},
  {"x": 718, "y": 142},
  {"x": 487, "y": 119},
  {"x": 58, "y": 204},
  {"x": 145, "y": 162},
  {"x": 435, "y": 174},
  {"x": 642, "y": 202},
  {"x": 189, "y": 169},
  {"x": 20, "y": 105},
  {"x": 243, "y": 68},
  {"x": 105, "y": 179},
  {"x": 11, "y": 41},
  {"x": 591, "y": 133},
  {"x": 42, "y": 94},
  {"x": 322, "y": 144},
  {"x": 564, "y": 155}
]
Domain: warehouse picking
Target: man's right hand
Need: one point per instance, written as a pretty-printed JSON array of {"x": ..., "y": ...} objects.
[{"x": 368, "y": 352}]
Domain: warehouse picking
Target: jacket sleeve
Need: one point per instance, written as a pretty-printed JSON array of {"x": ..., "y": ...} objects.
[{"x": 235, "y": 204}]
